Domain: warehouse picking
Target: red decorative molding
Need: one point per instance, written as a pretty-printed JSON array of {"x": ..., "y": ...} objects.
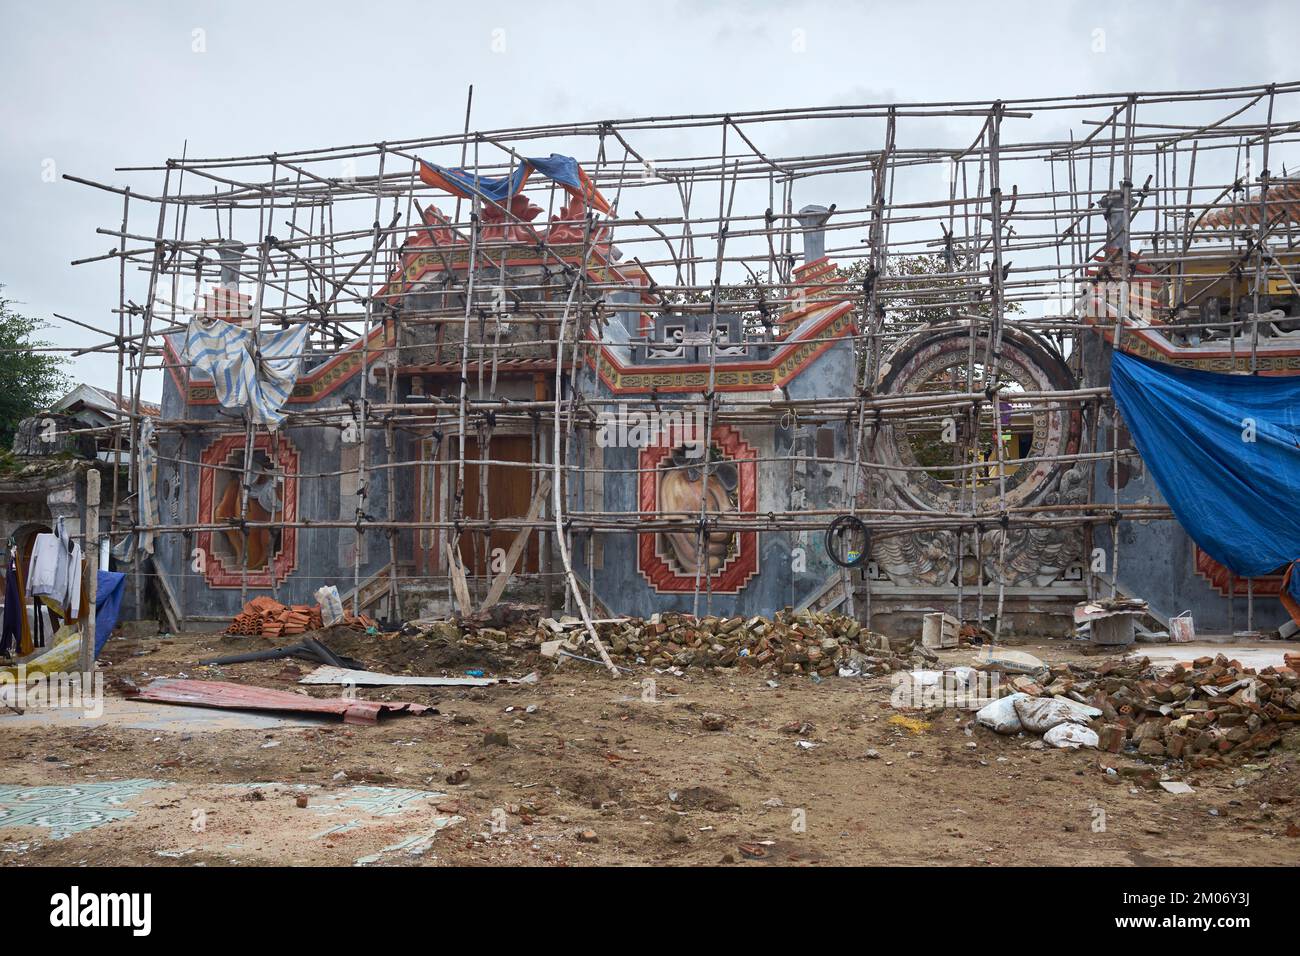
[
  {"x": 732, "y": 577},
  {"x": 280, "y": 450},
  {"x": 1222, "y": 580},
  {"x": 437, "y": 245},
  {"x": 1149, "y": 339}
]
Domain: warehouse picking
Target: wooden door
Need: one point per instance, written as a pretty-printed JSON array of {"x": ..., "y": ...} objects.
[{"x": 509, "y": 493}]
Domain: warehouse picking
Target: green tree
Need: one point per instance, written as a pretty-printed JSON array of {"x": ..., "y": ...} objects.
[
  {"x": 29, "y": 380},
  {"x": 911, "y": 304}
]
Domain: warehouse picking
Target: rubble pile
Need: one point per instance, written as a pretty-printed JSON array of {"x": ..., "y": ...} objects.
[
  {"x": 269, "y": 618},
  {"x": 1195, "y": 711},
  {"x": 791, "y": 643},
  {"x": 1213, "y": 707}
]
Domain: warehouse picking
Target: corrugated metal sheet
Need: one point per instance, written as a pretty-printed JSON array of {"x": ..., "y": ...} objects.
[
  {"x": 326, "y": 674},
  {"x": 207, "y": 693}
]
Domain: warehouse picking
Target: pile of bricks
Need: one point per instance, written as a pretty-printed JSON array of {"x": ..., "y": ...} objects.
[
  {"x": 1197, "y": 711},
  {"x": 791, "y": 643}
]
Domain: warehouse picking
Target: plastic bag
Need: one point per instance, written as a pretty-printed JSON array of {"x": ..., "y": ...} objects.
[
  {"x": 331, "y": 605},
  {"x": 1181, "y": 628}
]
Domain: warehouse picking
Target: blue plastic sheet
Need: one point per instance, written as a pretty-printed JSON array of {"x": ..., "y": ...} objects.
[
  {"x": 461, "y": 182},
  {"x": 563, "y": 170},
  {"x": 1225, "y": 453},
  {"x": 109, "y": 587}
]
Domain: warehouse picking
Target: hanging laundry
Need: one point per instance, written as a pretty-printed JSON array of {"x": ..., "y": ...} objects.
[
  {"x": 255, "y": 373},
  {"x": 54, "y": 575},
  {"x": 108, "y": 604},
  {"x": 11, "y": 636},
  {"x": 25, "y": 645},
  {"x": 48, "y": 571}
]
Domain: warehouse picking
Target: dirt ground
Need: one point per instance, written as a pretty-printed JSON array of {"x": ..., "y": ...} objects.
[{"x": 592, "y": 773}]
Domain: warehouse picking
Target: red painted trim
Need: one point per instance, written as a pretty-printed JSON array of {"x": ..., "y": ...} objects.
[
  {"x": 732, "y": 577},
  {"x": 285, "y": 560},
  {"x": 1221, "y": 579}
]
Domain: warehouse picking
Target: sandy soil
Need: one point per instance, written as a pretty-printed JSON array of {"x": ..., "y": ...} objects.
[{"x": 595, "y": 774}]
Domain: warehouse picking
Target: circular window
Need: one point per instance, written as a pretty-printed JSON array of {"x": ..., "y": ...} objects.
[{"x": 936, "y": 459}]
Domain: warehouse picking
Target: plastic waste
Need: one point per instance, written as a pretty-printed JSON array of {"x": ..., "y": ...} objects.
[
  {"x": 1084, "y": 709},
  {"x": 331, "y": 605},
  {"x": 1182, "y": 629},
  {"x": 1014, "y": 662}
]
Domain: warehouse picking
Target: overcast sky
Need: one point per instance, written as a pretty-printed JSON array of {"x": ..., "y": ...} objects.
[{"x": 90, "y": 86}]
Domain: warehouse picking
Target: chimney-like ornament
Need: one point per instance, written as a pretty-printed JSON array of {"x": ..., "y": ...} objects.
[
  {"x": 231, "y": 253},
  {"x": 1117, "y": 219},
  {"x": 813, "y": 220}
]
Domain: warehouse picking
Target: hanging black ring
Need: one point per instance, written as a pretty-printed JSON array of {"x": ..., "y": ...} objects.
[{"x": 838, "y": 528}]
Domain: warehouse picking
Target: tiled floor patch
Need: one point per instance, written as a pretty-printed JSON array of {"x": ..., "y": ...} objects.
[{"x": 67, "y": 810}]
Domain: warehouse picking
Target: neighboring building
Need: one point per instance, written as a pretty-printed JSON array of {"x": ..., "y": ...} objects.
[{"x": 93, "y": 407}]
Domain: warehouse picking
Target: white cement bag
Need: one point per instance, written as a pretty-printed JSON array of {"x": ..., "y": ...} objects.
[
  {"x": 1073, "y": 736},
  {"x": 1000, "y": 716},
  {"x": 1038, "y": 715},
  {"x": 331, "y": 605},
  {"x": 1084, "y": 710}
]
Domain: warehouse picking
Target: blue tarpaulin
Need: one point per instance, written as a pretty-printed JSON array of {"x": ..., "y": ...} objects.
[
  {"x": 109, "y": 586},
  {"x": 1225, "y": 453},
  {"x": 461, "y": 182},
  {"x": 563, "y": 170}
]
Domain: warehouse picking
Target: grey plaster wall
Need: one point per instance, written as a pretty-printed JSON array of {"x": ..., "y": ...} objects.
[
  {"x": 324, "y": 554},
  {"x": 786, "y": 479}
]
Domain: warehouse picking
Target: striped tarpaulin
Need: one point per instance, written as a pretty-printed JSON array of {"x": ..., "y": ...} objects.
[
  {"x": 147, "y": 503},
  {"x": 228, "y": 355}
]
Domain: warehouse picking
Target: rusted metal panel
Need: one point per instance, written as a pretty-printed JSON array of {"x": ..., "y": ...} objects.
[{"x": 206, "y": 693}]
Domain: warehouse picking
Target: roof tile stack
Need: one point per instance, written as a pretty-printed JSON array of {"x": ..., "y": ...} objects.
[{"x": 269, "y": 618}]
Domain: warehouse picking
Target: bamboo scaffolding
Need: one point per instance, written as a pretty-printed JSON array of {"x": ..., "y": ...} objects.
[{"x": 1011, "y": 249}]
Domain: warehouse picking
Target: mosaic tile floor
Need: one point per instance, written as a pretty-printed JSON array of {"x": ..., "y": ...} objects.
[{"x": 68, "y": 810}]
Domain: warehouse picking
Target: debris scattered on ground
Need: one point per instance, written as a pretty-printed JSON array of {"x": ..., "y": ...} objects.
[
  {"x": 1197, "y": 711},
  {"x": 802, "y": 642},
  {"x": 308, "y": 649},
  {"x": 713, "y": 721},
  {"x": 1070, "y": 736}
]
